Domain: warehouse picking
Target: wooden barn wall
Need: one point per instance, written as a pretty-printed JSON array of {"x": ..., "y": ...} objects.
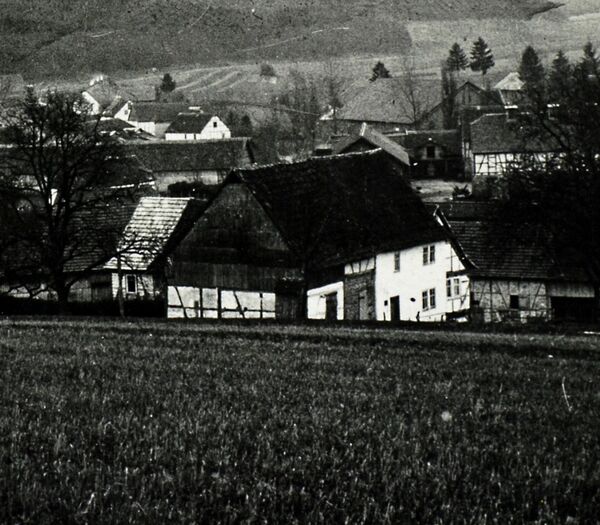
[
  {"x": 235, "y": 228},
  {"x": 359, "y": 296},
  {"x": 231, "y": 276}
]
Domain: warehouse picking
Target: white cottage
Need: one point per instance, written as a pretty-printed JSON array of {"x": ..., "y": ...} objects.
[{"x": 197, "y": 126}]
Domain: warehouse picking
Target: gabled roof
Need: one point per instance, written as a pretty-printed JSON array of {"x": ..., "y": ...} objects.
[
  {"x": 106, "y": 90},
  {"x": 154, "y": 227},
  {"x": 341, "y": 208},
  {"x": 511, "y": 82},
  {"x": 190, "y": 122},
  {"x": 495, "y": 133},
  {"x": 377, "y": 140},
  {"x": 156, "y": 111},
  {"x": 499, "y": 252},
  {"x": 386, "y": 100},
  {"x": 191, "y": 156},
  {"x": 412, "y": 140}
]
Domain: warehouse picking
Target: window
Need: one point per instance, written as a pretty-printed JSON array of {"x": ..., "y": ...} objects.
[
  {"x": 453, "y": 287},
  {"x": 430, "y": 152},
  {"x": 428, "y": 254},
  {"x": 396, "y": 261},
  {"x": 428, "y": 299},
  {"x": 215, "y": 124},
  {"x": 130, "y": 283},
  {"x": 514, "y": 302}
]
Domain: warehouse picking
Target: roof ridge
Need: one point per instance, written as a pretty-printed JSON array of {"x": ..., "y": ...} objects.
[{"x": 314, "y": 159}]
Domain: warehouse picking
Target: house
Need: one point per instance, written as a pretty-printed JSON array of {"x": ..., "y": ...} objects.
[
  {"x": 498, "y": 143},
  {"x": 127, "y": 249},
  {"x": 333, "y": 237},
  {"x": 153, "y": 230},
  {"x": 468, "y": 94},
  {"x": 103, "y": 93},
  {"x": 197, "y": 126},
  {"x": 155, "y": 117},
  {"x": 368, "y": 139},
  {"x": 205, "y": 161},
  {"x": 510, "y": 89},
  {"x": 388, "y": 104},
  {"x": 434, "y": 153},
  {"x": 517, "y": 274}
]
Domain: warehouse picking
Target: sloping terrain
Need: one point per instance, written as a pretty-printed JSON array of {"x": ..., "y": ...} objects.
[{"x": 62, "y": 37}]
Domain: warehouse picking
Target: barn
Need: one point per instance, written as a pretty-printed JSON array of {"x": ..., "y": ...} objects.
[{"x": 338, "y": 237}]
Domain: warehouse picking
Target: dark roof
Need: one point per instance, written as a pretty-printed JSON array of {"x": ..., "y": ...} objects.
[
  {"x": 190, "y": 122},
  {"x": 377, "y": 140},
  {"x": 496, "y": 133},
  {"x": 219, "y": 155},
  {"x": 341, "y": 207},
  {"x": 154, "y": 225},
  {"x": 386, "y": 100},
  {"x": 156, "y": 111},
  {"x": 500, "y": 252},
  {"x": 413, "y": 140}
]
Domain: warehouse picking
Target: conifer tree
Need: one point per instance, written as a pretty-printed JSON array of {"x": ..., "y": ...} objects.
[
  {"x": 457, "y": 59},
  {"x": 380, "y": 71},
  {"x": 482, "y": 58},
  {"x": 531, "y": 73}
]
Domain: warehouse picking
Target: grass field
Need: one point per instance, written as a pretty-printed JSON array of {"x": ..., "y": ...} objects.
[{"x": 116, "y": 422}]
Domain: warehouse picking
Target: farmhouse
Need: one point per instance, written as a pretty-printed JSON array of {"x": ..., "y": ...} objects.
[
  {"x": 368, "y": 139},
  {"x": 434, "y": 153},
  {"x": 197, "y": 126},
  {"x": 205, "y": 161},
  {"x": 103, "y": 93},
  {"x": 518, "y": 275},
  {"x": 336, "y": 237},
  {"x": 498, "y": 143},
  {"x": 154, "y": 117}
]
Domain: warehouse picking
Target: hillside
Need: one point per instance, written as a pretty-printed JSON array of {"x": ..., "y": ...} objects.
[{"x": 65, "y": 37}]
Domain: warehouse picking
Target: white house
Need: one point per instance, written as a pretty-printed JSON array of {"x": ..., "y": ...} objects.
[
  {"x": 422, "y": 283},
  {"x": 197, "y": 126}
]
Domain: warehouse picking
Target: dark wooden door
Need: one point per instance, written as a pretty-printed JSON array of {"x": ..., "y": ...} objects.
[
  {"x": 331, "y": 306},
  {"x": 395, "y": 308}
]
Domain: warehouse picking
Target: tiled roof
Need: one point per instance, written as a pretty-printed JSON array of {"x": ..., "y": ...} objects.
[
  {"x": 156, "y": 111},
  {"x": 499, "y": 252},
  {"x": 377, "y": 140},
  {"x": 495, "y": 133},
  {"x": 152, "y": 228},
  {"x": 341, "y": 207},
  {"x": 173, "y": 156},
  {"x": 386, "y": 100},
  {"x": 189, "y": 122},
  {"x": 412, "y": 140}
]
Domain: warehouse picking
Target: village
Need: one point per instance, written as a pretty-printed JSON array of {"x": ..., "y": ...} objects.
[{"x": 391, "y": 214}]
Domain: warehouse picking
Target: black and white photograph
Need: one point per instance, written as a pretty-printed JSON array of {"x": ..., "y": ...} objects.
[{"x": 300, "y": 261}]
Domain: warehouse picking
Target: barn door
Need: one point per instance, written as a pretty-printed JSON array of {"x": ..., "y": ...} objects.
[{"x": 363, "y": 305}]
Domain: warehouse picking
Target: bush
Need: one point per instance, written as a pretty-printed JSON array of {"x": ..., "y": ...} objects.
[{"x": 267, "y": 70}]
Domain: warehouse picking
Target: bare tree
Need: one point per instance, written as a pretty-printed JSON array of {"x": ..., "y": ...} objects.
[
  {"x": 415, "y": 100},
  {"x": 63, "y": 188}
]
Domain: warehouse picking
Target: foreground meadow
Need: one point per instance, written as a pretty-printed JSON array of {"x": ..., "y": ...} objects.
[{"x": 199, "y": 423}]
